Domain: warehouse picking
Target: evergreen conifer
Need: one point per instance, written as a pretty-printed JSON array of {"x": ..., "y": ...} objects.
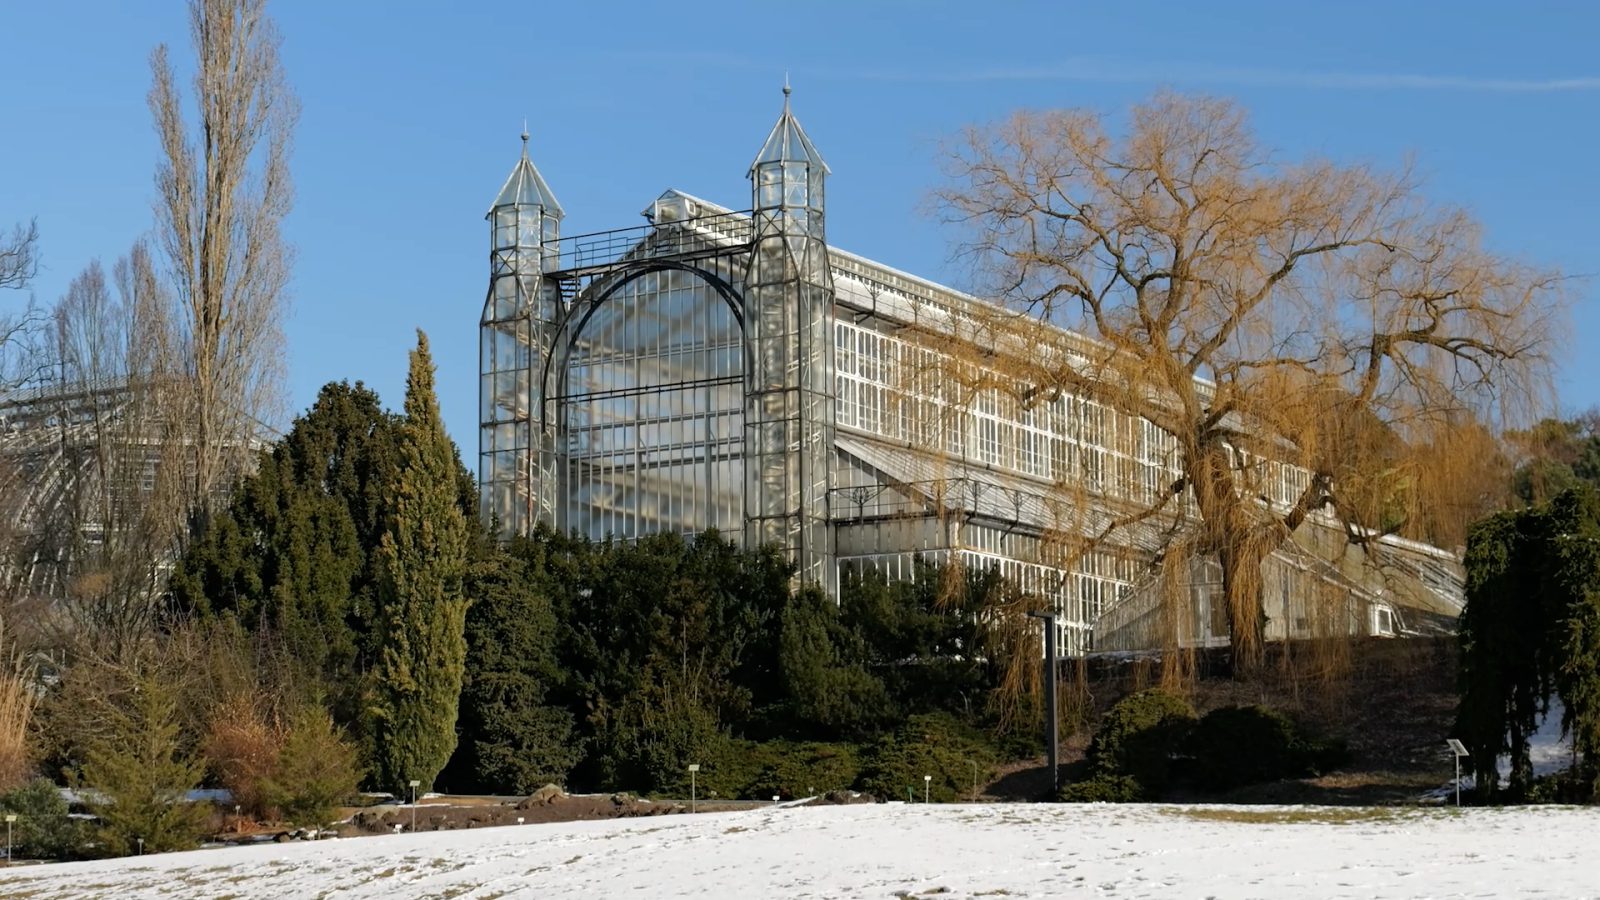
[{"x": 419, "y": 621}]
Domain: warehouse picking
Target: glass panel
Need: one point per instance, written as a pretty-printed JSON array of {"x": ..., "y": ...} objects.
[{"x": 653, "y": 411}]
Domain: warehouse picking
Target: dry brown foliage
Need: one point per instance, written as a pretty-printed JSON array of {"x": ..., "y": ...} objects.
[
  {"x": 1308, "y": 328},
  {"x": 241, "y": 747},
  {"x": 19, "y": 695}
]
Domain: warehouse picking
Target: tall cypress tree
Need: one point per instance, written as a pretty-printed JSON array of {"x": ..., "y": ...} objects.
[{"x": 415, "y": 686}]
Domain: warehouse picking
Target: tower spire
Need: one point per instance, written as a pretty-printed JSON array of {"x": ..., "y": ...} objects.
[
  {"x": 526, "y": 187},
  {"x": 788, "y": 141}
]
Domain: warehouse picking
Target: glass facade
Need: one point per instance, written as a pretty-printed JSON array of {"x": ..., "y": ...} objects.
[{"x": 650, "y": 407}]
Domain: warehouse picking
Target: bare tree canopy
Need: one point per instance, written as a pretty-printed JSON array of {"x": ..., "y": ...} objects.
[
  {"x": 223, "y": 190},
  {"x": 19, "y": 256},
  {"x": 1313, "y": 324}
]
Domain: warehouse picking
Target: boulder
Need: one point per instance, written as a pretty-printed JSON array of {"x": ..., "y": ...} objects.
[{"x": 542, "y": 797}]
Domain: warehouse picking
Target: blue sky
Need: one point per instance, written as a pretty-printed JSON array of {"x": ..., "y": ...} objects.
[{"x": 411, "y": 113}]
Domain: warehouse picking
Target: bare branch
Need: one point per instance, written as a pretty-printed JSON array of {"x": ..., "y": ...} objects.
[{"x": 19, "y": 256}]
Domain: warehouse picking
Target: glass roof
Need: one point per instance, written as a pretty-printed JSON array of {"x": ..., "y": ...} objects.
[
  {"x": 788, "y": 142},
  {"x": 527, "y": 187}
]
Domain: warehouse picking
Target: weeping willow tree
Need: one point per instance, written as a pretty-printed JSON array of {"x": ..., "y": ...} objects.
[{"x": 1289, "y": 345}]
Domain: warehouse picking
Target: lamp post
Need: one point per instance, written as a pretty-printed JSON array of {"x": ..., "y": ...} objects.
[
  {"x": 141, "y": 845},
  {"x": 10, "y": 818},
  {"x": 693, "y": 768},
  {"x": 414, "y": 783},
  {"x": 927, "y": 782},
  {"x": 1051, "y": 725},
  {"x": 1458, "y": 750}
]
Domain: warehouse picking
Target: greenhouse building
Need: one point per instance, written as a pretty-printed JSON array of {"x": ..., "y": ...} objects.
[{"x": 726, "y": 369}]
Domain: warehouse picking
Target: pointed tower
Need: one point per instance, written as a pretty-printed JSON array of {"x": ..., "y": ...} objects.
[
  {"x": 789, "y": 389},
  {"x": 515, "y": 456}
]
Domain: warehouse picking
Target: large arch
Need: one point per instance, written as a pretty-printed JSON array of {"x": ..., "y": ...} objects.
[{"x": 646, "y": 397}]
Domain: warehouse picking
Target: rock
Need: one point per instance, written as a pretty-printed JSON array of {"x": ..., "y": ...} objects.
[
  {"x": 623, "y": 799},
  {"x": 282, "y": 837},
  {"x": 542, "y": 797}
]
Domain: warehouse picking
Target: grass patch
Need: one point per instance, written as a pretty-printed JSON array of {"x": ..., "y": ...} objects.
[{"x": 1335, "y": 815}]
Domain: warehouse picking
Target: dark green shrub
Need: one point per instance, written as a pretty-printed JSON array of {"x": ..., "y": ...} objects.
[
  {"x": 649, "y": 745},
  {"x": 1139, "y": 737},
  {"x": 1570, "y": 785},
  {"x": 1239, "y": 745},
  {"x": 792, "y": 770},
  {"x": 1322, "y": 755},
  {"x": 42, "y": 829},
  {"x": 1103, "y": 789},
  {"x": 935, "y": 744},
  {"x": 317, "y": 770}
]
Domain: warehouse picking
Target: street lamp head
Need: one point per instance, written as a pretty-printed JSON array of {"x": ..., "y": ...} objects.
[
  {"x": 415, "y": 783},
  {"x": 10, "y": 817},
  {"x": 694, "y": 767}
]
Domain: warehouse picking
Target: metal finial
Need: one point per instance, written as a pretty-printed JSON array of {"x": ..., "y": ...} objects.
[
  {"x": 786, "y": 89},
  {"x": 524, "y": 137}
]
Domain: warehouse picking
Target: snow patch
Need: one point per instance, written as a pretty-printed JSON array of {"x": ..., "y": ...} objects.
[{"x": 916, "y": 850}]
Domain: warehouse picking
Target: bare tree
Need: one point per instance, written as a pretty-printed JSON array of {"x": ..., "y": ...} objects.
[
  {"x": 223, "y": 191},
  {"x": 1303, "y": 324},
  {"x": 19, "y": 263},
  {"x": 19, "y": 256},
  {"x": 102, "y": 496}
]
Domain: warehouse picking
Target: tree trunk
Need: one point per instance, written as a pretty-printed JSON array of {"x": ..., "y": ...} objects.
[
  {"x": 1247, "y": 620},
  {"x": 1231, "y": 533}
]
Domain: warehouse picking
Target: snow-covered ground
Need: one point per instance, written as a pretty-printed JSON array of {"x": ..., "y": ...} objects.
[{"x": 884, "y": 851}]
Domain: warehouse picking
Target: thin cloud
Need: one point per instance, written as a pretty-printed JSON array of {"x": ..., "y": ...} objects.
[{"x": 1112, "y": 71}]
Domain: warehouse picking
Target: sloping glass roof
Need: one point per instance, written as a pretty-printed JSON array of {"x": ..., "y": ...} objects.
[
  {"x": 957, "y": 484},
  {"x": 788, "y": 142},
  {"x": 527, "y": 187}
]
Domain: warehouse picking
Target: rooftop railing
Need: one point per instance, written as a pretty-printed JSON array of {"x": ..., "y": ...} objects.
[{"x": 678, "y": 238}]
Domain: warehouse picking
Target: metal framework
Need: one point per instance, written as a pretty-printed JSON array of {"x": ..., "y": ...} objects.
[
  {"x": 729, "y": 369},
  {"x": 80, "y": 464}
]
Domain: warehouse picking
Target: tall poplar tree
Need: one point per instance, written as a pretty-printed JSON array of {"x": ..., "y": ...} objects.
[{"x": 421, "y": 610}]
